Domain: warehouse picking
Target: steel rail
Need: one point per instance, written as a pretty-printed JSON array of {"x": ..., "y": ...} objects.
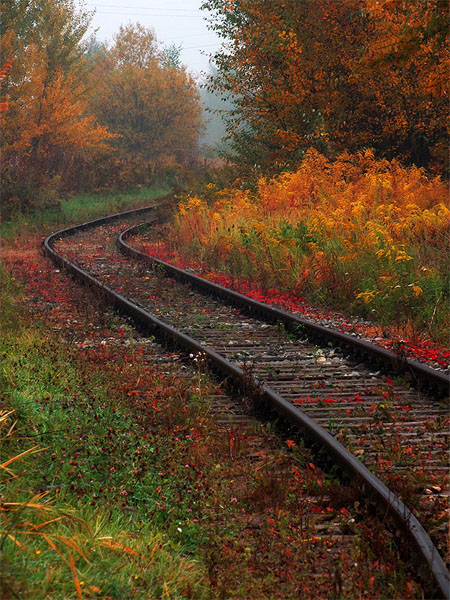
[
  {"x": 421, "y": 375},
  {"x": 369, "y": 484}
]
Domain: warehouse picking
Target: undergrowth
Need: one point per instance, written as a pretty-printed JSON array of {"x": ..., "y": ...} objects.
[
  {"x": 77, "y": 497},
  {"x": 117, "y": 483},
  {"x": 359, "y": 234}
]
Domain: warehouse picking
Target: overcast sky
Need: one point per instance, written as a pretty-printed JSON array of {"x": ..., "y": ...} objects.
[{"x": 174, "y": 21}]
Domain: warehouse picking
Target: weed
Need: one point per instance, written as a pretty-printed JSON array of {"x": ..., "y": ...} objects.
[{"x": 373, "y": 243}]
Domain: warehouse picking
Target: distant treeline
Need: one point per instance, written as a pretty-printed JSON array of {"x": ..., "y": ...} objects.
[
  {"x": 334, "y": 76},
  {"x": 84, "y": 115}
]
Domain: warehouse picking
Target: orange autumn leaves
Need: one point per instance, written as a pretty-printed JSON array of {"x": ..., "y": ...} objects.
[
  {"x": 337, "y": 76},
  {"x": 47, "y": 124},
  {"x": 357, "y": 232},
  {"x": 48, "y": 117},
  {"x": 46, "y": 88},
  {"x": 79, "y": 115},
  {"x": 4, "y": 105}
]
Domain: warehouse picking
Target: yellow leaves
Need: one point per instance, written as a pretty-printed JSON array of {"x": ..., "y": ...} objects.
[
  {"x": 367, "y": 297},
  {"x": 63, "y": 120},
  {"x": 393, "y": 253},
  {"x": 376, "y": 203},
  {"x": 368, "y": 154},
  {"x": 296, "y": 227},
  {"x": 402, "y": 256},
  {"x": 118, "y": 546},
  {"x": 192, "y": 204},
  {"x": 358, "y": 209},
  {"x": 49, "y": 113},
  {"x": 196, "y": 202}
]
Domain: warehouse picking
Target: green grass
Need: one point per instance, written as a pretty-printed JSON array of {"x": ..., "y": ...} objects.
[
  {"x": 77, "y": 209},
  {"x": 88, "y": 451}
]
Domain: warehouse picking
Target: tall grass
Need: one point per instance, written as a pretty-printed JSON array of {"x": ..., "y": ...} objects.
[
  {"x": 362, "y": 234},
  {"x": 60, "y": 536}
]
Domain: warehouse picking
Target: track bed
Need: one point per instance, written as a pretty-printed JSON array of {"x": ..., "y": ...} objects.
[{"x": 401, "y": 434}]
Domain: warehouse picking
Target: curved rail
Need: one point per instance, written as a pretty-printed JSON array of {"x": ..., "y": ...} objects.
[
  {"x": 369, "y": 483},
  {"x": 421, "y": 374}
]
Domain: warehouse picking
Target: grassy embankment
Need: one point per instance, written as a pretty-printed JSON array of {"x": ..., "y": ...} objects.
[
  {"x": 116, "y": 484},
  {"x": 68, "y": 456},
  {"x": 358, "y": 234},
  {"x": 76, "y": 494},
  {"x": 77, "y": 209}
]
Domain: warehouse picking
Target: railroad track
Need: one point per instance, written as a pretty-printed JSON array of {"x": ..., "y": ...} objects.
[{"x": 346, "y": 406}]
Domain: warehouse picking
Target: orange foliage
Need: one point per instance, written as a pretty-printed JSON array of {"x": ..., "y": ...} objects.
[
  {"x": 44, "y": 118},
  {"x": 152, "y": 106},
  {"x": 335, "y": 75},
  {"x": 4, "y": 105},
  {"x": 355, "y": 231},
  {"x": 6, "y": 69}
]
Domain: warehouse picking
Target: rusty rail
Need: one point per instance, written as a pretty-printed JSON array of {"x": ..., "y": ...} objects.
[{"x": 369, "y": 484}]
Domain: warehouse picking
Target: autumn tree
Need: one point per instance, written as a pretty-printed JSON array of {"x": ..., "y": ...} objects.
[
  {"x": 409, "y": 48},
  {"x": 313, "y": 74},
  {"x": 149, "y": 101},
  {"x": 288, "y": 75},
  {"x": 47, "y": 125}
]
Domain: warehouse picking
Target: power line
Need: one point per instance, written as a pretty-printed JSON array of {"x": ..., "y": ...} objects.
[
  {"x": 141, "y": 7},
  {"x": 196, "y": 35},
  {"x": 101, "y": 12}
]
